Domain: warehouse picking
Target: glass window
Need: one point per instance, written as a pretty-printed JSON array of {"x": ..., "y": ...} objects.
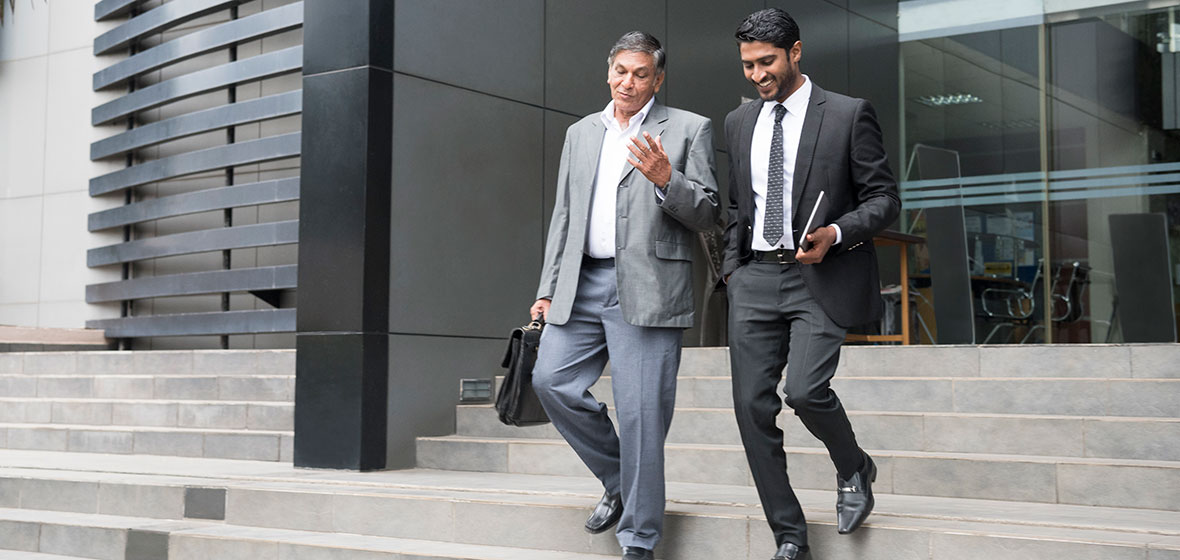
[{"x": 1050, "y": 199}]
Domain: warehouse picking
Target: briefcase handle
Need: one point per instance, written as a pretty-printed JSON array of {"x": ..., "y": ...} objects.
[{"x": 536, "y": 324}]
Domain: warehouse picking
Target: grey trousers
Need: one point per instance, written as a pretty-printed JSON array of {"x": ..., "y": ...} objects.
[
  {"x": 772, "y": 316},
  {"x": 643, "y": 362}
]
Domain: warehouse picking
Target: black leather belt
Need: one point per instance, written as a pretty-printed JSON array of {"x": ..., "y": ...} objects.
[
  {"x": 589, "y": 261},
  {"x": 779, "y": 256}
]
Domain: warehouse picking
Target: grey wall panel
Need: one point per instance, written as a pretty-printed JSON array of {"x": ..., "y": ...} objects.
[
  {"x": 167, "y": 15},
  {"x": 232, "y": 322},
  {"x": 578, "y": 38},
  {"x": 872, "y": 68},
  {"x": 466, "y": 210},
  {"x": 234, "y": 114},
  {"x": 335, "y": 41},
  {"x": 218, "y": 77},
  {"x": 242, "y": 153},
  {"x": 265, "y": 192},
  {"x": 823, "y": 28},
  {"x": 880, "y": 11},
  {"x": 494, "y": 46},
  {"x": 555, "y": 127},
  {"x": 221, "y": 36},
  {"x": 424, "y": 374},
  {"x": 275, "y": 233},
  {"x": 236, "y": 280},
  {"x": 106, "y": 9},
  {"x": 704, "y": 69}
]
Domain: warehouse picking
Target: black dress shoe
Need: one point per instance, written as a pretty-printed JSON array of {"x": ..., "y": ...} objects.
[
  {"x": 637, "y": 553},
  {"x": 605, "y": 514},
  {"x": 790, "y": 551},
  {"x": 854, "y": 497}
]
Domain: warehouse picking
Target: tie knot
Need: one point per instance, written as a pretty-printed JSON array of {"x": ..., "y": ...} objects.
[{"x": 779, "y": 113}]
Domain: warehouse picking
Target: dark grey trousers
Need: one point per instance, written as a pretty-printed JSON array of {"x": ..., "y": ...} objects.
[
  {"x": 643, "y": 363},
  {"x": 772, "y": 317}
]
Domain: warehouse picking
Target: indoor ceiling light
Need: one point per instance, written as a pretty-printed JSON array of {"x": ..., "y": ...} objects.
[{"x": 948, "y": 99}]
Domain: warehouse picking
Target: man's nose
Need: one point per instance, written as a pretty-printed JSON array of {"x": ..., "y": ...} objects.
[{"x": 757, "y": 74}]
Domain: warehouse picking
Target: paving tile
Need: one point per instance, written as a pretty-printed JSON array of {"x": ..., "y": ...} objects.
[
  {"x": 140, "y": 500},
  {"x": 1062, "y": 360},
  {"x": 59, "y": 495},
  {"x": 909, "y": 361},
  {"x": 979, "y": 547},
  {"x": 257, "y": 447},
  {"x": 176, "y": 444},
  {"x": 87, "y": 441},
  {"x": 1155, "y": 360}
]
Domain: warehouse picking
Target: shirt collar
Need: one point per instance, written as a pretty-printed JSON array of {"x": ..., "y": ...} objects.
[
  {"x": 796, "y": 104},
  {"x": 608, "y": 115}
]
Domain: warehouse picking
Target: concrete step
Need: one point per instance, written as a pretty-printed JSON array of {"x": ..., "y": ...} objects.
[
  {"x": 107, "y": 537},
  {"x": 151, "y": 412},
  {"x": 260, "y": 445},
  {"x": 241, "y": 387},
  {"x": 22, "y": 555},
  {"x": 1027, "y": 478},
  {"x": 1152, "y": 439},
  {"x": 268, "y": 506},
  {"x": 1016, "y": 395},
  {"x": 165, "y": 362},
  {"x": 1141, "y": 361}
]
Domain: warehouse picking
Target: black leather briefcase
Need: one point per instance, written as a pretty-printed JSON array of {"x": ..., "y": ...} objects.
[{"x": 517, "y": 403}]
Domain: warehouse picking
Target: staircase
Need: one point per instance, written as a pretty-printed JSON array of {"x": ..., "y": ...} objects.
[{"x": 983, "y": 452}]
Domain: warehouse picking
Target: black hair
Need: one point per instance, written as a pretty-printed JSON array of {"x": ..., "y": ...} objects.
[{"x": 772, "y": 25}]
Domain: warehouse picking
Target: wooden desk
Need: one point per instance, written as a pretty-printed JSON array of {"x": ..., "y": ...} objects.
[{"x": 902, "y": 241}]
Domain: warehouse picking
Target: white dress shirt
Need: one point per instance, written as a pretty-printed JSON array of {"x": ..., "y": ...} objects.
[
  {"x": 612, "y": 162},
  {"x": 796, "y": 106}
]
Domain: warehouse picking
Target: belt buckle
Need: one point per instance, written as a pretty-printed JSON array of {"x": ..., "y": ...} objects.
[{"x": 781, "y": 254}]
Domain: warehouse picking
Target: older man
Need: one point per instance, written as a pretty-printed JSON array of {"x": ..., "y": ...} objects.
[{"x": 636, "y": 180}]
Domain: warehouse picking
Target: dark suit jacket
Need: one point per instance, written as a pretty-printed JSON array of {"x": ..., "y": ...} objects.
[{"x": 840, "y": 153}]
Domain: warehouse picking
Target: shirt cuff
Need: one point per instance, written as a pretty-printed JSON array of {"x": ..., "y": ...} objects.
[
  {"x": 839, "y": 234},
  {"x": 660, "y": 194}
]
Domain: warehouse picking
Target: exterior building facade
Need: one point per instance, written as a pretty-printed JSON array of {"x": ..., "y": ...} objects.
[{"x": 178, "y": 172}]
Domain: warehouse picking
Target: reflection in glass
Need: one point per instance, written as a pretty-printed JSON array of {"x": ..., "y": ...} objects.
[{"x": 1043, "y": 198}]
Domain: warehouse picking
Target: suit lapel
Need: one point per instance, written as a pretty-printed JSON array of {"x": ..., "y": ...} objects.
[
  {"x": 583, "y": 168},
  {"x": 807, "y": 141},
  {"x": 654, "y": 124},
  {"x": 746, "y": 137}
]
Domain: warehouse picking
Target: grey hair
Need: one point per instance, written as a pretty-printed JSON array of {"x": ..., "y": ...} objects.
[{"x": 638, "y": 41}]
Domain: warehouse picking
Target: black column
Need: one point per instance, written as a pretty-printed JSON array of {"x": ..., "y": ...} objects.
[{"x": 341, "y": 379}]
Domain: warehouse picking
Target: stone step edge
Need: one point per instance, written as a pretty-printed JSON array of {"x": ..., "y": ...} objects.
[
  {"x": 906, "y": 454},
  {"x": 692, "y": 508},
  {"x": 194, "y": 529},
  {"x": 121, "y": 428},
  {"x": 913, "y": 413},
  {"x": 6, "y": 554},
  {"x": 971, "y": 379},
  {"x": 232, "y": 375},
  {"x": 106, "y": 400}
]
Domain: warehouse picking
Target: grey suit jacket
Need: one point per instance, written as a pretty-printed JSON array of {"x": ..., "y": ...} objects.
[
  {"x": 654, "y": 239},
  {"x": 841, "y": 153}
]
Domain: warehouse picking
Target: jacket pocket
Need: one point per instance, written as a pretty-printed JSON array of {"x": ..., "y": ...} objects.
[{"x": 673, "y": 251}]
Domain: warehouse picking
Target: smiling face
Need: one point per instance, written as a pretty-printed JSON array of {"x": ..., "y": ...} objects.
[
  {"x": 633, "y": 80},
  {"x": 774, "y": 71}
]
